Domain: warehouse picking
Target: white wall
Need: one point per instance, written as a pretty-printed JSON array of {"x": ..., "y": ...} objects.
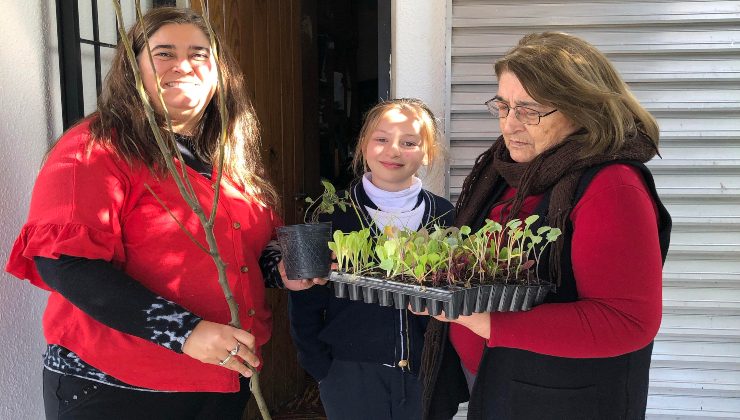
[
  {"x": 418, "y": 62},
  {"x": 29, "y": 97}
]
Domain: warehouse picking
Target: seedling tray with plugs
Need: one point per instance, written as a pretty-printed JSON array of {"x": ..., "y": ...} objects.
[{"x": 453, "y": 300}]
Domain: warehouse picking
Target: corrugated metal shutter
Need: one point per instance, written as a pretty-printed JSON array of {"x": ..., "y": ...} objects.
[{"x": 682, "y": 59}]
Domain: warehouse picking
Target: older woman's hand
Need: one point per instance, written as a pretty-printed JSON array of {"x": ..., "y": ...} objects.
[
  {"x": 222, "y": 345},
  {"x": 479, "y": 323}
]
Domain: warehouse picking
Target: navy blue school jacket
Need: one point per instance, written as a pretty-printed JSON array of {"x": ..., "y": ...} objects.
[{"x": 325, "y": 328}]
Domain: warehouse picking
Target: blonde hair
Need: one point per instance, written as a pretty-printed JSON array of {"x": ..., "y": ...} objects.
[
  {"x": 430, "y": 132},
  {"x": 571, "y": 75},
  {"x": 120, "y": 111}
]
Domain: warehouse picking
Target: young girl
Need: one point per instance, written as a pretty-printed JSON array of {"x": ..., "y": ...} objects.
[{"x": 366, "y": 357}]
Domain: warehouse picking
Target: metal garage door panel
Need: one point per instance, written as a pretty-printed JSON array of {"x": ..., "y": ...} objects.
[
  {"x": 629, "y": 40},
  {"x": 682, "y": 60}
]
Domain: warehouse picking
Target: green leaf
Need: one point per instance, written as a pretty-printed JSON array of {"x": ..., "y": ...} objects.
[
  {"x": 390, "y": 247},
  {"x": 553, "y": 234},
  {"x": 514, "y": 224},
  {"x": 338, "y": 235},
  {"x": 328, "y": 187},
  {"x": 386, "y": 264},
  {"x": 434, "y": 258}
]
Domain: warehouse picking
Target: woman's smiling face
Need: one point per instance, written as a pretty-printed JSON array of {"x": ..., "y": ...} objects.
[
  {"x": 525, "y": 142},
  {"x": 187, "y": 73}
]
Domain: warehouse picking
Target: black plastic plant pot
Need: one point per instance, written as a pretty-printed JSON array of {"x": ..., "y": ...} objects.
[
  {"x": 418, "y": 303},
  {"x": 400, "y": 295},
  {"x": 469, "y": 299},
  {"x": 494, "y": 297},
  {"x": 385, "y": 297},
  {"x": 400, "y": 300},
  {"x": 355, "y": 292},
  {"x": 506, "y": 297},
  {"x": 434, "y": 307},
  {"x": 305, "y": 249},
  {"x": 369, "y": 295},
  {"x": 516, "y": 297},
  {"x": 481, "y": 301},
  {"x": 340, "y": 290}
]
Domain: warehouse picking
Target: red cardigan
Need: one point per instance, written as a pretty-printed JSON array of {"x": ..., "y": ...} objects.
[
  {"x": 617, "y": 265},
  {"x": 89, "y": 203}
]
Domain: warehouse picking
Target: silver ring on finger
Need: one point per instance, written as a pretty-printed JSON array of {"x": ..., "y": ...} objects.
[
  {"x": 236, "y": 349},
  {"x": 225, "y": 361}
]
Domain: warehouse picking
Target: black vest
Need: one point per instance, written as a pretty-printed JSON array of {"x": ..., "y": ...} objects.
[{"x": 518, "y": 384}]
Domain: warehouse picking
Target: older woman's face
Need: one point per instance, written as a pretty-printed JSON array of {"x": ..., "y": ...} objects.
[
  {"x": 525, "y": 142},
  {"x": 186, "y": 70}
]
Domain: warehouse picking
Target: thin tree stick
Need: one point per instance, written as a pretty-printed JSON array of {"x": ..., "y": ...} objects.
[
  {"x": 181, "y": 179},
  {"x": 171, "y": 136},
  {"x": 222, "y": 106},
  {"x": 179, "y": 223},
  {"x": 254, "y": 381}
]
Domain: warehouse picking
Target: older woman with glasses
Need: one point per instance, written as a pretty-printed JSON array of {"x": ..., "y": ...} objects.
[{"x": 573, "y": 146}]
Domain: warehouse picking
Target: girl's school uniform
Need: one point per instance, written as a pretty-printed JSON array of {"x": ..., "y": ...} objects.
[{"x": 366, "y": 357}]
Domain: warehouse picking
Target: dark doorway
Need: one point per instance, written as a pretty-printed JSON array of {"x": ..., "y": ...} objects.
[{"x": 346, "y": 71}]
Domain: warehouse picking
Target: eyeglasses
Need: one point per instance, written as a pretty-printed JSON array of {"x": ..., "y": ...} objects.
[{"x": 529, "y": 116}]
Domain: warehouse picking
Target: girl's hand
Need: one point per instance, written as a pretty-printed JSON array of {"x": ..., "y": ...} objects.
[
  {"x": 303, "y": 284},
  {"x": 215, "y": 344}
]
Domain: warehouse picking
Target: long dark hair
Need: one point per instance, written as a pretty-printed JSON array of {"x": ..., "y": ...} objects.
[{"x": 120, "y": 120}]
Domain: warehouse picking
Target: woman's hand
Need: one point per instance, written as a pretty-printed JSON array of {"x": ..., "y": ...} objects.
[
  {"x": 479, "y": 323},
  {"x": 303, "y": 284},
  {"x": 215, "y": 344}
]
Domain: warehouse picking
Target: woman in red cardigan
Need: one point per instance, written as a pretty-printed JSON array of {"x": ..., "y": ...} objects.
[
  {"x": 136, "y": 322},
  {"x": 573, "y": 146}
]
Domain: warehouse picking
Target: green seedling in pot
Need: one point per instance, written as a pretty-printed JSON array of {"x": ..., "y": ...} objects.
[{"x": 325, "y": 203}]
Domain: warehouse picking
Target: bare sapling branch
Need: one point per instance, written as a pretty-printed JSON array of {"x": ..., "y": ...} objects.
[{"x": 168, "y": 148}]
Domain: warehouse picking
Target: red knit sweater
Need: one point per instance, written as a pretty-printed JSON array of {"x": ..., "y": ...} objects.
[{"x": 617, "y": 266}]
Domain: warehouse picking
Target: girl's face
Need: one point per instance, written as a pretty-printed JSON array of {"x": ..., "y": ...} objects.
[
  {"x": 186, "y": 70},
  {"x": 395, "y": 150}
]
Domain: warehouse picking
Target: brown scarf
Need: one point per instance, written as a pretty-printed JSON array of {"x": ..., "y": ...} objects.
[{"x": 559, "y": 168}]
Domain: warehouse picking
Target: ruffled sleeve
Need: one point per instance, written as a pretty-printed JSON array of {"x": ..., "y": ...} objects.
[{"x": 76, "y": 207}]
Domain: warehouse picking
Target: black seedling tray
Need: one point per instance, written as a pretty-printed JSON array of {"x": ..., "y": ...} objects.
[{"x": 454, "y": 300}]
